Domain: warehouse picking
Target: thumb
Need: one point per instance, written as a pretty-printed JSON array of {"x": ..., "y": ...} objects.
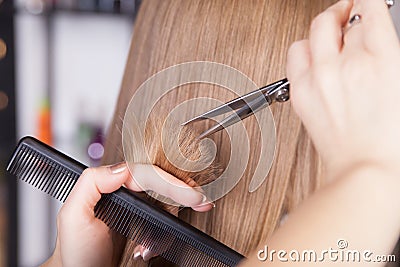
[{"x": 95, "y": 181}]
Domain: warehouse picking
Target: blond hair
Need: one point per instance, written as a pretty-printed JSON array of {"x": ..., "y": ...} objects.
[{"x": 253, "y": 37}]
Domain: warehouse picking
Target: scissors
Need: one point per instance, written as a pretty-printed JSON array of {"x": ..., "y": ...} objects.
[
  {"x": 244, "y": 106},
  {"x": 254, "y": 101}
]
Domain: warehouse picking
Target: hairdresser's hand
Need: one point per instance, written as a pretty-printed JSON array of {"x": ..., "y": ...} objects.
[
  {"x": 84, "y": 240},
  {"x": 346, "y": 87}
]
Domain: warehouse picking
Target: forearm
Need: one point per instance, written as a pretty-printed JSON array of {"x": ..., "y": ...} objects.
[
  {"x": 55, "y": 259},
  {"x": 51, "y": 262},
  {"x": 360, "y": 207}
]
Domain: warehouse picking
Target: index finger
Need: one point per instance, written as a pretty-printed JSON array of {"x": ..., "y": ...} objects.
[
  {"x": 326, "y": 36},
  {"x": 150, "y": 177}
]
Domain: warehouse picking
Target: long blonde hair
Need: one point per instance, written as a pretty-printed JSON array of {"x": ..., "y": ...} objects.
[{"x": 253, "y": 37}]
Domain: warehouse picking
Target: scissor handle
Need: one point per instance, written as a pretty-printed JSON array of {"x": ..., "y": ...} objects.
[
  {"x": 389, "y": 3},
  {"x": 278, "y": 92}
]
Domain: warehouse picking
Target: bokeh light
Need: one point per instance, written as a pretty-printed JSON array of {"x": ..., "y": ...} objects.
[
  {"x": 3, "y": 48},
  {"x": 3, "y": 100}
]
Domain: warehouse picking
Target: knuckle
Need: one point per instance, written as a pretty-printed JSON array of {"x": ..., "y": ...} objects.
[
  {"x": 298, "y": 60},
  {"x": 321, "y": 20},
  {"x": 351, "y": 69},
  {"x": 325, "y": 71},
  {"x": 89, "y": 172},
  {"x": 299, "y": 92},
  {"x": 295, "y": 48},
  {"x": 323, "y": 76},
  {"x": 316, "y": 22}
]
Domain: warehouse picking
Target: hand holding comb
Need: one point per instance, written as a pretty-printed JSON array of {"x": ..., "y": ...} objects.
[{"x": 123, "y": 211}]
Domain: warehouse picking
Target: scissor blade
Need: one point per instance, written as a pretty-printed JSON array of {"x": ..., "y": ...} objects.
[
  {"x": 234, "y": 104},
  {"x": 244, "y": 112},
  {"x": 225, "y": 108},
  {"x": 238, "y": 102}
]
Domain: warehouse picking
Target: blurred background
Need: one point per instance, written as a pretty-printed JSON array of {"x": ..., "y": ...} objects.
[{"x": 61, "y": 66}]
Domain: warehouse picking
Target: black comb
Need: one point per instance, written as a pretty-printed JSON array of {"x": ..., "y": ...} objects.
[{"x": 123, "y": 211}]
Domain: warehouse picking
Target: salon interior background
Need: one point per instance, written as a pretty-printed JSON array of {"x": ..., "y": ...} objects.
[{"x": 62, "y": 62}]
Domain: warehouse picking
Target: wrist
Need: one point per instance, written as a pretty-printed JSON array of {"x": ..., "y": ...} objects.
[
  {"x": 378, "y": 179},
  {"x": 375, "y": 186},
  {"x": 54, "y": 260},
  {"x": 354, "y": 164}
]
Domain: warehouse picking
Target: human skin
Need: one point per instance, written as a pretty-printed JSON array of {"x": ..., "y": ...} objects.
[
  {"x": 345, "y": 90},
  {"x": 82, "y": 239}
]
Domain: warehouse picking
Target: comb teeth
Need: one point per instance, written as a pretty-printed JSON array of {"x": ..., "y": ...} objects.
[
  {"x": 123, "y": 211},
  {"x": 42, "y": 172},
  {"x": 149, "y": 231}
]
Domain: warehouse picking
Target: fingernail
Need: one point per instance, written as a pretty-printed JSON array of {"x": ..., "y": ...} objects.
[
  {"x": 136, "y": 253},
  {"x": 212, "y": 204},
  {"x": 146, "y": 255},
  {"x": 118, "y": 167},
  {"x": 205, "y": 201}
]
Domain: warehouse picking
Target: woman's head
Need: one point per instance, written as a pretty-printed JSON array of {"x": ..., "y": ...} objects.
[{"x": 253, "y": 37}]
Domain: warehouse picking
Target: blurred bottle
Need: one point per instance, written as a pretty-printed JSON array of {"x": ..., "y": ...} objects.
[
  {"x": 44, "y": 131},
  {"x": 95, "y": 149},
  {"x": 91, "y": 134}
]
